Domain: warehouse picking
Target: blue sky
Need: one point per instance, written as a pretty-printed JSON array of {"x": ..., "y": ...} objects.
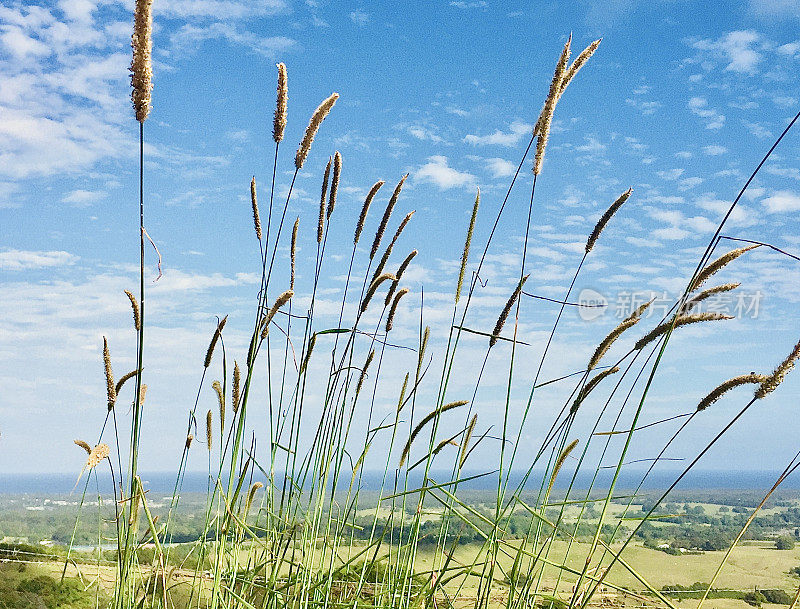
[{"x": 680, "y": 102}]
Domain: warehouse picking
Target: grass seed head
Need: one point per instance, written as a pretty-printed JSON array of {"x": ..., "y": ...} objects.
[
  {"x": 365, "y": 208},
  {"x": 213, "y": 343},
  {"x": 385, "y": 219},
  {"x": 84, "y": 445},
  {"x": 682, "y": 320},
  {"x": 221, "y": 401},
  {"x": 588, "y": 387},
  {"x": 254, "y": 203},
  {"x": 279, "y": 121},
  {"x": 363, "y": 374},
  {"x": 321, "y": 221},
  {"x": 467, "y": 242},
  {"x": 373, "y": 287},
  {"x": 718, "y": 264},
  {"x": 337, "y": 174},
  {"x": 546, "y": 116},
  {"x": 771, "y": 383},
  {"x": 399, "y": 274},
  {"x": 725, "y": 387},
  {"x": 209, "y": 429},
  {"x": 237, "y": 379},
  {"x": 111, "y": 391},
  {"x": 606, "y": 343},
  {"x": 501, "y": 320},
  {"x": 319, "y": 115},
  {"x": 96, "y": 456},
  {"x": 579, "y": 62},
  {"x": 137, "y": 318},
  {"x": 141, "y": 63},
  {"x": 293, "y": 253},
  {"x": 601, "y": 223},
  {"x": 393, "y": 309}
]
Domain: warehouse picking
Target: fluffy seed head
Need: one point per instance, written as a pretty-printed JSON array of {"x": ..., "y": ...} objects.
[
  {"x": 321, "y": 222},
  {"x": 209, "y": 429},
  {"x": 363, "y": 374},
  {"x": 251, "y": 495},
  {"x": 546, "y": 117},
  {"x": 707, "y": 293},
  {"x": 682, "y": 320},
  {"x": 427, "y": 419},
  {"x": 293, "y": 253},
  {"x": 373, "y": 287},
  {"x": 237, "y": 379},
  {"x": 213, "y": 343},
  {"x": 279, "y": 121},
  {"x": 365, "y": 208},
  {"x": 501, "y": 320},
  {"x": 141, "y": 63},
  {"x": 465, "y": 254},
  {"x": 137, "y": 319},
  {"x": 390, "y": 247},
  {"x": 588, "y": 387},
  {"x": 559, "y": 462},
  {"x": 580, "y": 60},
  {"x": 221, "y": 401},
  {"x": 279, "y": 302},
  {"x": 606, "y": 343},
  {"x": 122, "y": 380},
  {"x": 393, "y": 310},
  {"x": 111, "y": 391},
  {"x": 771, "y": 383},
  {"x": 311, "y": 344},
  {"x": 718, "y": 264},
  {"x": 727, "y": 386},
  {"x": 313, "y": 126},
  {"x": 399, "y": 274},
  {"x": 97, "y": 454},
  {"x": 465, "y": 444},
  {"x": 637, "y": 312},
  {"x": 189, "y": 440},
  {"x": 84, "y": 445},
  {"x": 386, "y": 215},
  {"x": 601, "y": 223},
  {"x": 254, "y": 203},
  {"x": 337, "y": 174}
]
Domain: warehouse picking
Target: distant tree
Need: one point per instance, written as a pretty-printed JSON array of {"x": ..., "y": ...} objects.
[{"x": 785, "y": 542}]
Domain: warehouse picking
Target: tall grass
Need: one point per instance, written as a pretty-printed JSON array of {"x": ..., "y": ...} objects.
[{"x": 296, "y": 529}]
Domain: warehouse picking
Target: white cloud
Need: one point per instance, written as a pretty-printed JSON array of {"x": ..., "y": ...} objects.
[
  {"x": 500, "y": 168},
  {"x": 735, "y": 48},
  {"x": 645, "y": 107},
  {"x": 217, "y": 9},
  {"x": 189, "y": 37},
  {"x": 83, "y": 197},
  {"x": 714, "y": 150},
  {"x": 423, "y": 133},
  {"x": 757, "y": 130},
  {"x": 670, "y": 174},
  {"x": 782, "y": 201},
  {"x": 22, "y": 260},
  {"x": 784, "y": 101},
  {"x": 699, "y": 107},
  {"x": 517, "y": 129},
  {"x": 689, "y": 183},
  {"x": 776, "y": 8},
  {"x": 359, "y": 17},
  {"x": 438, "y": 172}
]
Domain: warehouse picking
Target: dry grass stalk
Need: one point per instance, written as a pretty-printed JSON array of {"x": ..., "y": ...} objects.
[
  {"x": 365, "y": 208},
  {"x": 137, "y": 318},
  {"x": 682, "y": 320},
  {"x": 718, "y": 289},
  {"x": 124, "y": 379},
  {"x": 221, "y": 400},
  {"x": 498, "y": 327},
  {"x": 97, "y": 454},
  {"x": 579, "y": 62},
  {"x": 254, "y": 203},
  {"x": 546, "y": 117},
  {"x": 601, "y": 223},
  {"x": 321, "y": 221},
  {"x": 588, "y": 387},
  {"x": 311, "y": 345},
  {"x": 337, "y": 174},
  {"x": 293, "y": 253},
  {"x": 771, "y": 383},
  {"x": 467, "y": 242},
  {"x": 363, "y": 374},
  {"x": 279, "y": 121},
  {"x": 559, "y": 463},
  {"x": 279, "y": 302},
  {"x": 237, "y": 379},
  {"x": 209, "y": 429},
  {"x": 399, "y": 274},
  {"x": 465, "y": 444},
  {"x": 189, "y": 440},
  {"x": 427, "y": 419},
  {"x": 390, "y": 247},
  {"x": 373, "y": 287},
  {"x": 393, "y": 309},
  {"x": 606, "y": 343},
  {"x": 111, "y": 391},
  {"x": 251, "y": 495},
  {"x": 141, "y": 63},
  {"x": 319, "y": 115},
  {"x": 213, "y": 343},
  {"x": 725, "y": 387},
  {"x": 84, "y": 445},
  {"x": 385, "y": 219},
  {"x": 718, "y": 264}
]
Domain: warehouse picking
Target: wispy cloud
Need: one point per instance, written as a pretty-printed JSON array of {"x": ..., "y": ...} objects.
[
  {"x": 515, "y": 132},
  {"x": 699, "y": 106},
  {"x": 739, "y": 50},
  {"x": 782, "y": 201},
  {"x": 437, "y": 171},
  {"x": 22, "y": 260}
]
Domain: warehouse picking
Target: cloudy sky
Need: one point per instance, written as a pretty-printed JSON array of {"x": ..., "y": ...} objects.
[{"x": 680, "y": 102}]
